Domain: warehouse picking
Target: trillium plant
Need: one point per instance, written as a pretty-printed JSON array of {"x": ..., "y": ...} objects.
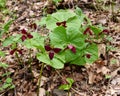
[{"x": 72, "y": 39}]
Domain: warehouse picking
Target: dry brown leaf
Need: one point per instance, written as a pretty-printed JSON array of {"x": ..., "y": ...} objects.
[
  {"x": 9, "y": 59},
  {"x": 102, "y": 49},
  {"x": 42, "y": 92},
  {"x": 19, "y": 94},
  {"x": 35, "y": 74},
  {"x": 91, "y": 77},
  {"x": 103, "y": 70},
  {"x": 30, "y": 94},
  {"x": 43, "y": 80},
  {"x": 114, "y": 73}
]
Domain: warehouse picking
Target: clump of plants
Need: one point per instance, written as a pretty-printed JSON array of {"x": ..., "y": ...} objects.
[
  {"x": 72, "y": 39},
  {"x": 2, "y": 3},
  {"x": 5, "y": 80}
]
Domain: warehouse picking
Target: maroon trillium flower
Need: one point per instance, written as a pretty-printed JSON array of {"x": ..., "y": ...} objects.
[
  {"x": 33, "y": 25},
  {"x": 51, "y": 55},
  {"x": 25, "y": 35},
  {"x": 20, "y": 52},
  {"x": 49, "y": 68},
  {"x": 61, "y": 24},
  {"x": 52, "y": 51},
  {"x": 72, "y": 48},
  {"x": 24, "y": 31},
  {"x": 15, "y": 50},
  {"x": 29, "y": 36},
  {"x": 106, "y": 31},
  {"x": 88, "y": 31},
  {"x": 88, "y": 56},
  {"x": 48, "y": 48}
]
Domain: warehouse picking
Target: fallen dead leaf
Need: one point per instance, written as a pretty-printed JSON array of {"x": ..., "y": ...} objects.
[
  {"x": 35, "y": 74},
  {"x": 103, "y": 69},
  {"x": 42, "y": 92},
  {"x": 30, "y": 94},
  {"x": 91, "y": 77},
  {"x": 43, "y": 80},
  {"x": 102, "y": 49},
  {"x": 114, "y": 73}
]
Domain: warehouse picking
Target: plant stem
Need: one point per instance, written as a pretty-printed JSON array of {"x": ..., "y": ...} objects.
[
  {"x": 18, "y": 58},
  {"x": 30, "y": 63},
  {"x": 68, "y": 92},
  {"x": 39, "y": 79},
  {"x": 30, "y": 59}
]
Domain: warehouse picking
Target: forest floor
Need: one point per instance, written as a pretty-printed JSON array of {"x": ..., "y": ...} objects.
[{"x": 102, "y": 78}]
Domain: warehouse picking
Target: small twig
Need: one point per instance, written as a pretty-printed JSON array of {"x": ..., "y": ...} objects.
[
  {"x": 59, "y": 74},
  {"x": 76, "y": 91},
  {"x": 101, "y": 42},
  {"x": 2, "y": 94}
]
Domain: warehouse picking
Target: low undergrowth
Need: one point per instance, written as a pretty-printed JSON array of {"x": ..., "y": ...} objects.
[{"x": 72, "y": 39}]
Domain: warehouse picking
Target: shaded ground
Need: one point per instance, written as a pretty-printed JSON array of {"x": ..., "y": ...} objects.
[{"x": 90, "y": 80}]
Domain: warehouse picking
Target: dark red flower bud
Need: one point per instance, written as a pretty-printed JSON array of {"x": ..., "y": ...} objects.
[
  {"x": 20, "y": 51},
  {"x": 49, "y": 68},
  {"x": 24, "y": 31},
  {"x": 61, "y": 24},
  {"x": 58, "y": 23},
  {"x": 23, "y": 37},
  {"x": 106, "y": 31},
  {"x": 64, "y": 81},
  {"x": 51, "y": 55},
  {"x": 13, "y": 51},
  {"x": 64, "y": 24},
  {"x": 29, "y": 35},
  {"x": 90, "y": 32},
  {"x": 35, "y": 26},
  {"x": 87, "y": 30},
  {"x": 88, "y": 56},
  {"x": 56, "y": 50},
  {"x": 72, "y": 48},
  {"x": 48, "y": 48}
]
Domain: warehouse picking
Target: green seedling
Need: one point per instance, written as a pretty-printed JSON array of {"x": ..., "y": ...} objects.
[
  {"x": 67, "y": 86},
  {"x": 2, "y": 3},
  {"x": 7, "y": 85},
  {"x": 5, "y": 28},
  {"x": 107, "y": 76}
]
